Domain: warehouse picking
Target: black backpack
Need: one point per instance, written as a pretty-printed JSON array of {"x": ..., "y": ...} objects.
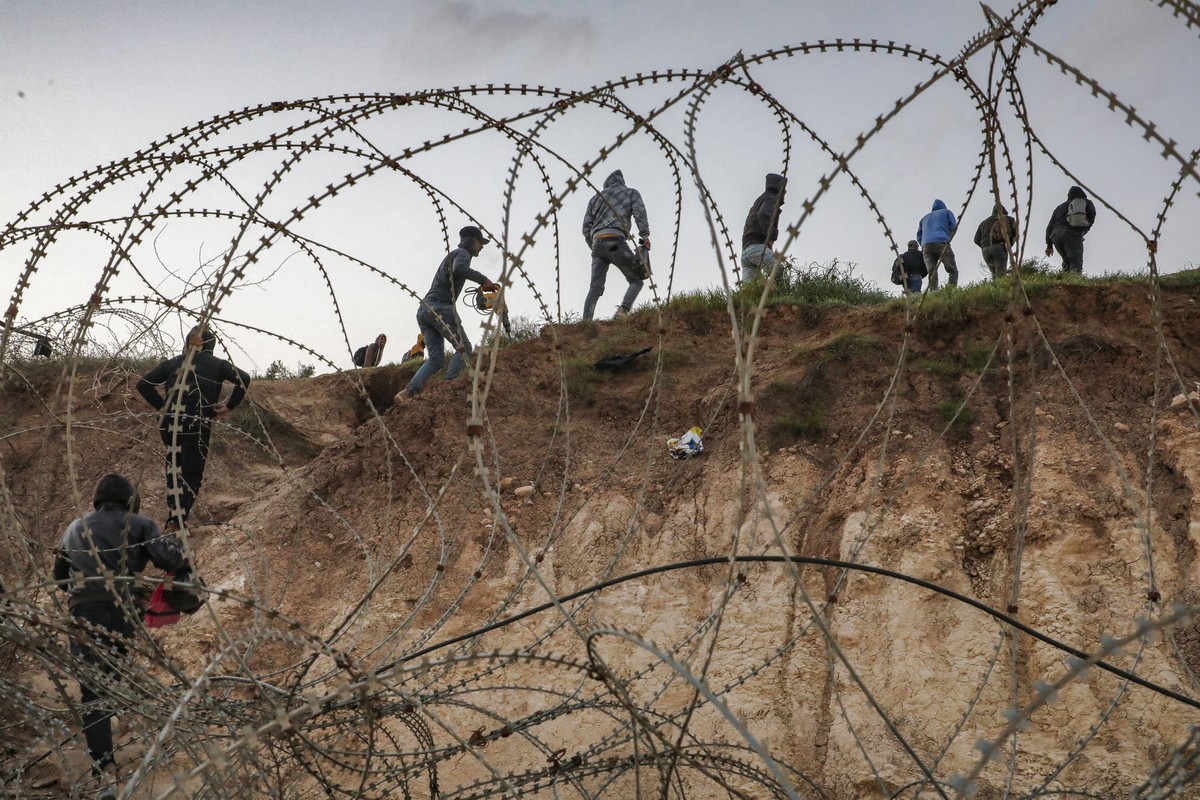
[
  {"x": 897, "y": 273},
  {"x": 360, "y": 356}
]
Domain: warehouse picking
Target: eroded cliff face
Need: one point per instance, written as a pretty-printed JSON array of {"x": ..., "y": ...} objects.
[{"x": 1064, "y": 494}]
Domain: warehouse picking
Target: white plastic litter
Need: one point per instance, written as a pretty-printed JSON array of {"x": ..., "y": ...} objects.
[{"x": 688, "y": 445}]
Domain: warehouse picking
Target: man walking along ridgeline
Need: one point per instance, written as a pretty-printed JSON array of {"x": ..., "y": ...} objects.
[
  {"x": 934, "y": 233},
  {"x": 1069, "y": 223},
  {"x": 438, "y": 318},
  {"x": 606, "y": 226},
  {"x": 762, "y": 229},
  {"x": 193, "y": 399},
  {"x": 115, "y": 543},
  {"x": 993, "y": 236}
]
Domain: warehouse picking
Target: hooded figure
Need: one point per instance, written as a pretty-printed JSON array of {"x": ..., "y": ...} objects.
[
  {"x": 375, "y": 351},
  {"x": 606, "y": 229},
  {"x": 993, "y": 236},
  {"x": 934, "y": 233},
  {"x": 98, "y": 556},
  {"x": 438, "y": 318},
  {"x": 762, "y": 229},
  {"x": 194, "y": 380},
  {"x": 1069, "y": 223}
]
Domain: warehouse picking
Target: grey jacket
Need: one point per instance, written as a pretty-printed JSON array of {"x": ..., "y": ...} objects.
[
  {"x": 124, "y": 544},
  {"x": 452, "y": 274},
  {"x": 611, "y": 209}
]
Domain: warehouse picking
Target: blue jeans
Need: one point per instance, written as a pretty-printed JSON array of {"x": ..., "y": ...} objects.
[
  {"x": 912, "y": 282},
  {"x": 440, "y": 325},
  {"x": 612, "y": 250},
  {"x": 757, "y": 259}
]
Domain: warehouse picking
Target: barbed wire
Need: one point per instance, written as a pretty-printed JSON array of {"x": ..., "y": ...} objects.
[{"x": 456, "y": 651}]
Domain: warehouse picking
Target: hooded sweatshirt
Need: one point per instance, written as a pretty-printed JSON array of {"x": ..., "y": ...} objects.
[
  {"x": 113, "y": 539},
  {"x": 610, "y": 210},
  {"x": 762, "y": 223},
  {"x": 202, "y": 390},
  {"x": 1059, "y": 218},
  {"x": 937, "y": 226},
  {"x": 451, "y": 276}
]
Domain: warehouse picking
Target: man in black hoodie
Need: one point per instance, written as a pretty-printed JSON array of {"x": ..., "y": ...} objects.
[
  {"x": 194, "y": 380},
  {"x": 762, "y": 229},
  {"x": 1068, "y": 225},
  {"x": 99, "y": 555}
]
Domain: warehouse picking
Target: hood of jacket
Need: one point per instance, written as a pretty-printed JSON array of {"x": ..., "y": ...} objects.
[
  {"x": 938, "y": 205},
  {"x": 775, "y": 182},
  {"x": 615, "y": 179},
  {"x": 1074, "y": 192}
]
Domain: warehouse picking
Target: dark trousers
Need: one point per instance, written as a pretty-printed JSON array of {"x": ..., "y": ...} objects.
[
  {"x": 612, "y": 250},
  {"x": 936, "y": 253},
  {"x": 186, "y": 456},
  {"x": 1068, "y": 242},
  {"x": 995, "y": 256},
  {"x": 101, "y": 649}
]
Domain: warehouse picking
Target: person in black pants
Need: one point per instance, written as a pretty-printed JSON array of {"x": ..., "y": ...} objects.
[
  {"x": 194, "y": 380},
  {"x": 113, "y": 540}
]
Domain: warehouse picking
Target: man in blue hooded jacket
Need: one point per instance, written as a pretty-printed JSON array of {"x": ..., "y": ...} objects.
[
  {"x": 934, "y": 233},
  {"x": 606, "y": 226}
]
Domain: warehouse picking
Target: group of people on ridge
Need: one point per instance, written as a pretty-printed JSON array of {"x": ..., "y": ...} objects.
[{"x": 1069, "y": 223}]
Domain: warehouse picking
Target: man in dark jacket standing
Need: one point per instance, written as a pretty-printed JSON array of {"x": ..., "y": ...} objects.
[
  {"x": 934, "y": 233},
  {"x": 912, "y": 267},
  {"x": 1069, "y": 223},
  {"x": 762, "y": 229},
  {"x": 99, "y": 555},
  {"x": 606, "y": 226},
  {"x": 994, "y": 236},
  {"x": 194, "y": 380},
  {"x": 438, "y": 318}
]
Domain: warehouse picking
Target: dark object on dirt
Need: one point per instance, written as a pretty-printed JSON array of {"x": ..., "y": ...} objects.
[
  {"x": 42, "y": 349},
  {"x": 619, "y": 362},
  {"x": 186, "y": 599}
]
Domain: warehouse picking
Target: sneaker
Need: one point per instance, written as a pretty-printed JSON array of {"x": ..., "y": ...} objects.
[
  {"x": 622, "y": 312},
  {"x": 402, "y": 397}
]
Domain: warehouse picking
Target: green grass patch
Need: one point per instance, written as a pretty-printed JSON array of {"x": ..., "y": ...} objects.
[
  {"x": 806, "y": 422},
  {"x": 958, "y": 415},
  {"x": 938, "y": 367},
  {"x": 843, "y": 347},
  {"x": 263, "y": 424},
  {"x": 582, "y": 379}
]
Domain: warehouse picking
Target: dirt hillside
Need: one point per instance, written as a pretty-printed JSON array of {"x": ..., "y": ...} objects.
[{"x": 1035, "y": 463}]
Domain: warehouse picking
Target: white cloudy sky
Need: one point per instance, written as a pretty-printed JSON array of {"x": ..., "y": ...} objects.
[{"x": 85, "y": 83}]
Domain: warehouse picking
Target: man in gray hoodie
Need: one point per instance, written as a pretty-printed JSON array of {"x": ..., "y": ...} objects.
[
  {"x": 606, "y": 228},
  {"x": 762, "y": 229}
]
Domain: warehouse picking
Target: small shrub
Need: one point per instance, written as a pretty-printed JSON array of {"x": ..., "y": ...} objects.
[
  {"x": 277, "y": 371},
  {"x": 843, "y": 347},
  {"x": 940, "y": 367},
  {"x": 263, "y": 424}
]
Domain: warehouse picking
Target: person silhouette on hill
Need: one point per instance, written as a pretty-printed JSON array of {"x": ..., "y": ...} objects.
[
  {"x": 934, "y": 233},
  {"x": 1069, "y": 223},
  {"x": 606, "y": 227}
]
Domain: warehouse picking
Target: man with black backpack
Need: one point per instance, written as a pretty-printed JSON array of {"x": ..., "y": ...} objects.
[
  {"x": 1069, "y": 223},
  {"x": 994, "y": 236},
  {"x": 194, "y": 380},
  {"x": 369, "y": 355},
  {"x": 98, "y": 557},
  {"x": 909, "y": 268}
]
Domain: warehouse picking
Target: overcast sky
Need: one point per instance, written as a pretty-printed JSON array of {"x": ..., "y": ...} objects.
[{"x": 86, "y": 83}]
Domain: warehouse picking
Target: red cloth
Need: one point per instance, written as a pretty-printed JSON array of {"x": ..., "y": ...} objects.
[{"x": 160, "y": 613}]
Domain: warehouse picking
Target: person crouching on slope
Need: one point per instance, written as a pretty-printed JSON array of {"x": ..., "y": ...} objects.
[{"x": 438, "y": 318}]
